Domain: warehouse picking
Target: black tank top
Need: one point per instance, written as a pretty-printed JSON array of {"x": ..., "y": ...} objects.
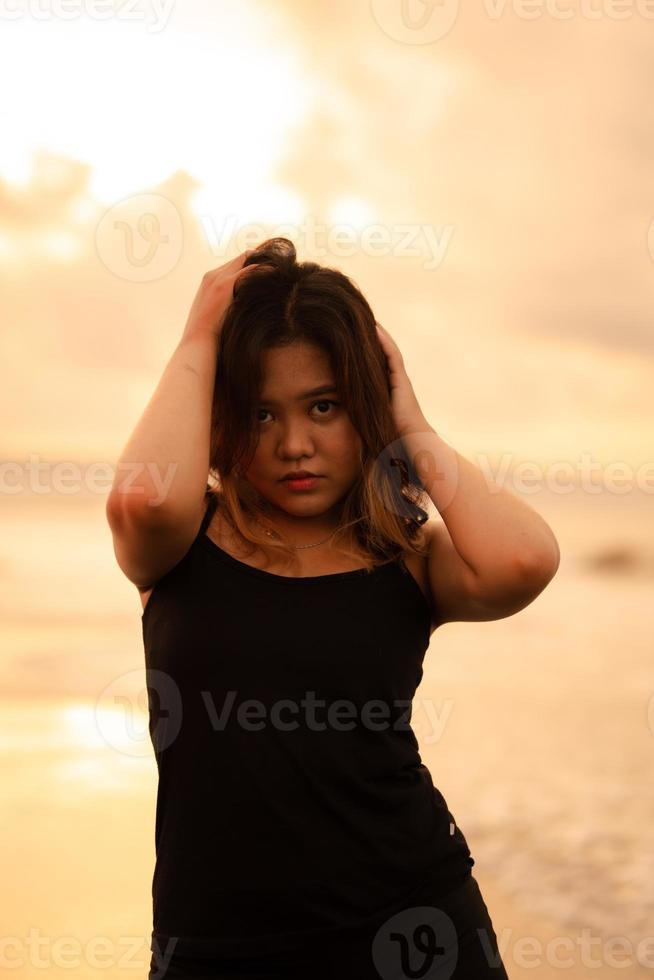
[{"x": 292, "y": 801}]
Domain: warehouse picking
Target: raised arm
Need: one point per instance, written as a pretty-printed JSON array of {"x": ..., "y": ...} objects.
[
  {"x": 495, "y": 553},
  {"x": 156, "y": 503}
]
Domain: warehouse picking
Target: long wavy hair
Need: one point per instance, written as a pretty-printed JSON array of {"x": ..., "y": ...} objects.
[{"x": 279, "y": 303}]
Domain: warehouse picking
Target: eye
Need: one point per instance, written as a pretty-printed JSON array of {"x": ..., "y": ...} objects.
[
  {"x": 324, "y": 403},
  {"x": 321, "y": 414}
]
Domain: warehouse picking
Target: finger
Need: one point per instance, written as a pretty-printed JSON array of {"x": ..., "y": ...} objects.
[
  {"x": 239, "y": 274},
  {"x": 234, "y": 263},
  {"x": 244, "y": 271},
  {"x": 239, "y": 259}
]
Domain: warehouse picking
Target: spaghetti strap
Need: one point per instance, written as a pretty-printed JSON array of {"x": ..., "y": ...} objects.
[{"x": 210, "y": 500}]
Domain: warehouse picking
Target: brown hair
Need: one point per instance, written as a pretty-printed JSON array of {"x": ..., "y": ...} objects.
[{"x": 281, "y": 302}]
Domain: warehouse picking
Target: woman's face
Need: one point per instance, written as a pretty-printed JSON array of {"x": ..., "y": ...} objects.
[{"x": 299, "y": 431}]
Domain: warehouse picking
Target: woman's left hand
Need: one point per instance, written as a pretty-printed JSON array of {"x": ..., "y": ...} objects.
[{"x": 406, "y": 410}]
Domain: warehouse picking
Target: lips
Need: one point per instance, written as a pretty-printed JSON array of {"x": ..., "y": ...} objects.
[
  {"x": 300, "y": 475},
  {"x": 302, "y": 484}
]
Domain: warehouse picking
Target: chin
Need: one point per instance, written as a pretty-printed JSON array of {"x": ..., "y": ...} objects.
[{"x": 308, "y": 505}]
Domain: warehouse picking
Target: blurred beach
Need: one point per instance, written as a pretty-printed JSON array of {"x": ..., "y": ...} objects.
[
  {"x": 543, "y": 747},
  {"x": 483, "y": 175}
]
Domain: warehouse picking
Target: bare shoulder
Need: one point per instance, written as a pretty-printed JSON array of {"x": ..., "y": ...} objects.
[{"x": 457, "y": 594}]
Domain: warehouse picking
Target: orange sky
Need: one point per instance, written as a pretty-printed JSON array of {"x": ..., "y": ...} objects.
[
  {"x": 510, "y": 148},
  {"x": 509, "y": 155}
]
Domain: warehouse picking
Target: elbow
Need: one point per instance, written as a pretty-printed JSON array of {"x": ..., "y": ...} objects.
[
  {"x": 537, "y": 569},
  {"x": 522, "y": 580},
  {"x": 135, "y": 505}
]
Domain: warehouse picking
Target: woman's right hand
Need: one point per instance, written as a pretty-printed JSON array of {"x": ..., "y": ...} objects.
[{"x": 216, "y": 291}]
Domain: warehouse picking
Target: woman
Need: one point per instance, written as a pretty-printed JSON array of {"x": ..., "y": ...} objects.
[{"x": 286, "y": 614}]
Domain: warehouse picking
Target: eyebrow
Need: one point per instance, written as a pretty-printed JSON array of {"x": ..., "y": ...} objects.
[{"x": 327, "y": 389}]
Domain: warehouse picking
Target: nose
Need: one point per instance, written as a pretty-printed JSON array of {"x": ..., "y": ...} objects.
[{"x": 294, "y": 440}]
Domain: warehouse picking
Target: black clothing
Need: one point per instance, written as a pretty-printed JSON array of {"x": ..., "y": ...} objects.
[
  {"x": 293, "y": 808},
  {"x": 451, "y": 939}
]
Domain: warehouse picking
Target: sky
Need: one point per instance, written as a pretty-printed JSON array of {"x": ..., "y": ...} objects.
[
  {"x": 502, "y": 159},
  {"x": 483, "y": 172}
]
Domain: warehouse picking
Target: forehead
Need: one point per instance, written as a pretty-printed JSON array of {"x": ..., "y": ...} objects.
[{"x": 287, "y": 371}]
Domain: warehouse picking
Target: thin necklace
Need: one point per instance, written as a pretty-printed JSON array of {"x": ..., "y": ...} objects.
[{"x": 297, "y": 547}]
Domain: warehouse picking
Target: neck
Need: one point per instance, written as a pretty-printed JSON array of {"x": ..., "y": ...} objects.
[{"x": 302, "y": 530}]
